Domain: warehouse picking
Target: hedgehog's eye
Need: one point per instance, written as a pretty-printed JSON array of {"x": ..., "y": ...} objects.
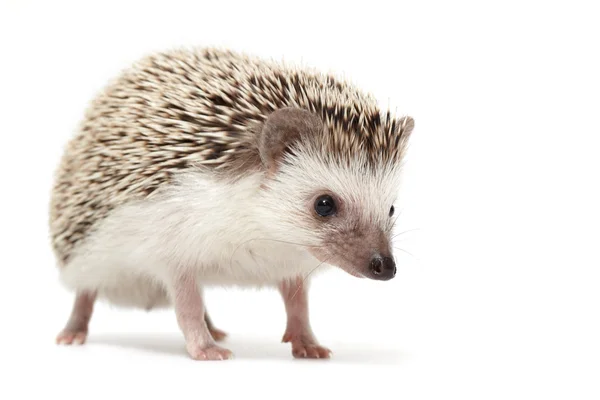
[
  {"x": 392, "y": 211},
  {"x": 325, "y": 206}
]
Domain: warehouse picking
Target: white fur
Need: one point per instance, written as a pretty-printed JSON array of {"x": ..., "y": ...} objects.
[{"x": 226, "y": 233}]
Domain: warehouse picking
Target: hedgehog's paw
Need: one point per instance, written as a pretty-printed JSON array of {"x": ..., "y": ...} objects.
[
  {"x": 217, "y": 334},
  {"x": 306, "y": 347},
  {"x": 210, "y": 352},
  {"x": 67, "y": 337},
  {"x": 302, "y": 350}
]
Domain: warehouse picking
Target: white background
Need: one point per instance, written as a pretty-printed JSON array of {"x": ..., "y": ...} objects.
[{"x": 500, "y": 298}]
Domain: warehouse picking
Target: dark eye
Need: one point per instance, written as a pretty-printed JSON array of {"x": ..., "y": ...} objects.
[
  {"x": 325, "y": 206},
  {"x": 392, "y": 211}
]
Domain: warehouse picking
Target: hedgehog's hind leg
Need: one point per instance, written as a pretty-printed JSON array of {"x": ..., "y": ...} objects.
[
  {"x": 76, "y": 330},
  {"x": 217, "y": 334}
]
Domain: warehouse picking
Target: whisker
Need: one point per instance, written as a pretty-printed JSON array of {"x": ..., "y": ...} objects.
[
  {"x": 405, "y": 251},
  {"x": 306, "y": 277},
  {"x": 402, "y": 233},
  {"x": 397, "y": 216}
]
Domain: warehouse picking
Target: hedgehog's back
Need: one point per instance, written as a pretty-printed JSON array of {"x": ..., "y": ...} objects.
[{"x": 173, "y": 110}]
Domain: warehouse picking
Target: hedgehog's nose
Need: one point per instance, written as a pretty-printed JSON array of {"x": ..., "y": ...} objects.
[{"x": 382, "y": 268}]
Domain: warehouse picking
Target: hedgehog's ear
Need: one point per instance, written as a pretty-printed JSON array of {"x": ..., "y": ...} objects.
[
  {"x": 405, "y": 127},
  {"x": 408, "y": 124},
  {"x": 282, "y": 129}
]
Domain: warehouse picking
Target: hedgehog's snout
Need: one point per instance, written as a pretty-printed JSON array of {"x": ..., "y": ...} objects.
[{"x": 382, "y": 268}]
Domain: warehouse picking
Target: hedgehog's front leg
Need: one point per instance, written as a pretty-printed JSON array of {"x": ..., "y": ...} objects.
[
  {"x": 298, "y": 330},
  {"x": 189, "y": 309}
]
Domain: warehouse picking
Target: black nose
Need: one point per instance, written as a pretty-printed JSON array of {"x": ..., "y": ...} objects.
[{"x": 382, "y": 268}]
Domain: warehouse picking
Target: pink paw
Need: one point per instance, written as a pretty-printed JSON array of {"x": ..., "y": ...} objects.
[
  {"x": 304, "y": 347},
  {"x": 71, "y": 337},
  {"x": 210, "y": 352},
  {"x": 301, "y": 350}
]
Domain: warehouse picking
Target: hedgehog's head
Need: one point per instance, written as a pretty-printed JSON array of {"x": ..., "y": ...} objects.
[{"x": 333, "y": 191}]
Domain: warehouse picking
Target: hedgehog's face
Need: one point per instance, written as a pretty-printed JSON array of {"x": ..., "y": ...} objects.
[
  {"x": 340, "y": 208},
  {"x": 352, "y": 235},
  {"x": 343, "y": 214}
]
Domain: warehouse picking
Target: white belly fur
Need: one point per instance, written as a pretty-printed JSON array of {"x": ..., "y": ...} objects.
[{"x": 200, "y": 225}]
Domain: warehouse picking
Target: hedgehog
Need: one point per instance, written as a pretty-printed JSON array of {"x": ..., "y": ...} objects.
[{"x": 209, "y": 167}]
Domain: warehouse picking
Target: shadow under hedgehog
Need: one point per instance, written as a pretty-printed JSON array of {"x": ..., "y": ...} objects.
[{"x": 206, "y": 167}]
